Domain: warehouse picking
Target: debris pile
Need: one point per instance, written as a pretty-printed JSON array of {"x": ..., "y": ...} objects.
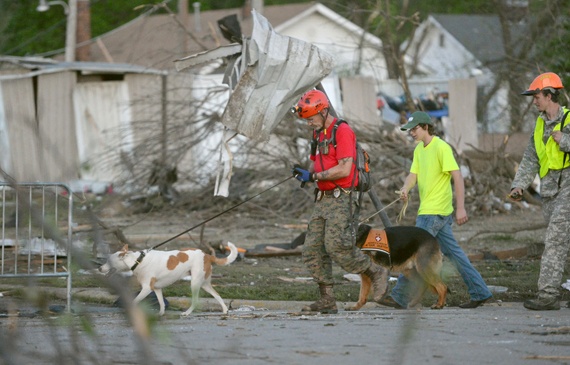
[{"x": 487, "y": 176}]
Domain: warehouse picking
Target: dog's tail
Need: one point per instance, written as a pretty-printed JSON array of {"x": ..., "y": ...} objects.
[{"x": 230, "y": 258}]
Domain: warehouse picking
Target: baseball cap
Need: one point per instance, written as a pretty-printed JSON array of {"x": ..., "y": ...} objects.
[{"x": 415, "y": 119}]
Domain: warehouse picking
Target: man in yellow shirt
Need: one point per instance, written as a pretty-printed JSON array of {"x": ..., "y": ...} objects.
[{"x": 433, "y": 166}]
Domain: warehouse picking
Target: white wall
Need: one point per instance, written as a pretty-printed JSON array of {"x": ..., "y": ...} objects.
[
  {"x": 447, "y": 59},
  {"x": 5, "y": 157},
  {"x": 103, "y": 128},
  {"x": 341, "y": 44}
]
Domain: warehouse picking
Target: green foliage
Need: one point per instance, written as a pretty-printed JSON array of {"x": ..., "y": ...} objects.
[
  {"x": 554, "y": 53},
  {"x": 25, "y": 31}
]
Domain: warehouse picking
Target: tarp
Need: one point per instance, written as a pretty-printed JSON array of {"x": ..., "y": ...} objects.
[
  {"x": 267, "y": 78},
  {"x": 273, "y": 72},
  {"x": 278, "y": 71}
]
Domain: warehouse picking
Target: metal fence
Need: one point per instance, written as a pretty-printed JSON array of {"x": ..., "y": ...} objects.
[{"x": 36, "y": 231}]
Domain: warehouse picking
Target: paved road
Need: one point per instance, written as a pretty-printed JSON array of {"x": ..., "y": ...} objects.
[{"x": 492, "y": 334}]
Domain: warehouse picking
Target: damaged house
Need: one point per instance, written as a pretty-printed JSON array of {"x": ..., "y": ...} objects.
[{"x": 158, "y": 114}]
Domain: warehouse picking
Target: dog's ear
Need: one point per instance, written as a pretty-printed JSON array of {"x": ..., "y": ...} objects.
[{"x": 124, "y": 251}]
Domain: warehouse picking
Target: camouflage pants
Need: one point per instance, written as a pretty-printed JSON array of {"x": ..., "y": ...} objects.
[
  {"x": 556, "y": 211},
  {"x": 329, "y": 238}
]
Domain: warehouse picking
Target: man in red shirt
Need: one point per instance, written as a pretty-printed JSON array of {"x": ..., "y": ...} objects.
[{"x": 330, "y": 235}]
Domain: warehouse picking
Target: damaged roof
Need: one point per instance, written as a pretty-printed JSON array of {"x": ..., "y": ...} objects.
[
  {"x": 479, "y": 34},
  {"x": 157, "y": 40},
  {"x": 15, "y": 67}
]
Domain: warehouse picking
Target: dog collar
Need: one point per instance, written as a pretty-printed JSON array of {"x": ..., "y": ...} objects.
[{"x": 138, "y": 261}]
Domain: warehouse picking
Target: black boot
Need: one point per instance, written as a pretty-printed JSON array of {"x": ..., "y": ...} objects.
[{"x": 542, "y": 304}]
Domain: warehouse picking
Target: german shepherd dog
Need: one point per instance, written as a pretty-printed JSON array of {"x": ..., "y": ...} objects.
[{"x": 413, "y": 251}]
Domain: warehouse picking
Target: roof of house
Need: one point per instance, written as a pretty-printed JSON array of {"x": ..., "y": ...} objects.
[
  {"x": 479, "y": 34},
  {"x": 157, "y": 40},
  {"x": 12, "y": 67}
]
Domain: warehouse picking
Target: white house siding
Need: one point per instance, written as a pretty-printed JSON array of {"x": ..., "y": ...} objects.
[
  {"x": 442, "y": 56},
  {"x": 447, "y": 60},
  {"x": 146, "y": 109},
  {"x": 57, "y": 127},
  {"x": 192, "y": 100},
  {"x": 341, "y": 44},
  {"x": 497, "y": 118},
  {"x": 104, "y": 133},
  {"x": 359, "y": 101},
  {"x": 461, "y": 131},
  {"x": 204, "y": 158},
  {"x": 22, "y": 130},
  {"x": 444, "y": 59}
]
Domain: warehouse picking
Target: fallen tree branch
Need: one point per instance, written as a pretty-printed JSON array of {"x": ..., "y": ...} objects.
[{"x": 512, "y": 230}]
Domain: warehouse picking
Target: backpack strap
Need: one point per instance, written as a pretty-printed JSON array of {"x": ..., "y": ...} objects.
[
  {"x": 561, "y": 128},
  {"x": 315, "y": 142},
  {"x": 335, "y": 127}
]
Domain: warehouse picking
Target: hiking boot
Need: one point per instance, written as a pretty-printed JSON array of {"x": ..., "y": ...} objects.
[
  {"x": 542, "y": 304},
  {"x": 326, "y": 303},
  {"x": 379, "y": 277},
  {"x": 473, "y": 303},
  {"x": 390, "y": 302}
]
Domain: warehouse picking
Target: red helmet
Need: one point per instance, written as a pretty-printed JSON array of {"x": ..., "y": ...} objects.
[
  {"x": 312, "y": 103},
  {"x": 547, "y": 80}
]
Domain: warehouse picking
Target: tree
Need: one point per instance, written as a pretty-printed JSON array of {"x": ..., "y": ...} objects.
[
  {"x": 29, "y": 32},
  {"x": 547, "y": 33},
  {"x": 524, "y": 53}
]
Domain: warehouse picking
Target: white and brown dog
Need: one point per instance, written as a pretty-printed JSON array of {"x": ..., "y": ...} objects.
[{"x": 155, "y": 270}]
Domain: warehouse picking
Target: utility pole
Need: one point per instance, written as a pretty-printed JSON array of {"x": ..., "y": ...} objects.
[
  {"x": 71, "y": 25},
  {"x": 70, "y": 32}
]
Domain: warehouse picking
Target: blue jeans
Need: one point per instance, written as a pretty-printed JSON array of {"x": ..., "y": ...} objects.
[{"x": 440, "y": 227}]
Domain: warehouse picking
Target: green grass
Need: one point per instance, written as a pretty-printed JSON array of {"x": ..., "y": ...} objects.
[
  {"x": 262, "y": 281},
  {"x": 501, "y": 237}
]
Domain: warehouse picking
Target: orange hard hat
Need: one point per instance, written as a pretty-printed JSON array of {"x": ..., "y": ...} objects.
[
  {"x": 311, "y": 103},
  {"x": 547, "y": 80}
]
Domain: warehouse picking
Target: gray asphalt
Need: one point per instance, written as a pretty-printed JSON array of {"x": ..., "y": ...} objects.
[{"x": 262, "y": 332}]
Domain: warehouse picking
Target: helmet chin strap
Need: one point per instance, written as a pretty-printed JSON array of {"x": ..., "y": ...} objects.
[{"x": 325, "y": 117}]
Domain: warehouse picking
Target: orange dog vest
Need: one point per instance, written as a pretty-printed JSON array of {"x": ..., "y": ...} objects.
[{"x": 376, "y": 241}]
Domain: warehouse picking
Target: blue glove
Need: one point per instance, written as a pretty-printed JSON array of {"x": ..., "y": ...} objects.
[{"x": 302, "y": 174}]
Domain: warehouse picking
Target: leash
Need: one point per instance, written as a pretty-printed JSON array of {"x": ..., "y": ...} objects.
[
  {"x": 401, "y": 215},
  {"x": 219, "y": 214}
]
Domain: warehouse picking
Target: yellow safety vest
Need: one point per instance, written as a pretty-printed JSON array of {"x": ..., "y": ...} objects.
[{"x": 549, "y": 155}]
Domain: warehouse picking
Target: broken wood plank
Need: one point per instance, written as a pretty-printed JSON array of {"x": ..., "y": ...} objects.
[{"x": 294, "y": 252}]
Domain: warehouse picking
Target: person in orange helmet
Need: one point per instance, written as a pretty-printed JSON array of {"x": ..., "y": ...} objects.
[
  {"x": 330, "y": 235},
  {"x": 547, "y": 155}
]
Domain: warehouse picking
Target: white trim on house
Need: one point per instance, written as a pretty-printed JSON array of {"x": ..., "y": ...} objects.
[
  {"x": 335, "y": 18},
  {"x": 455, "y": 41}
]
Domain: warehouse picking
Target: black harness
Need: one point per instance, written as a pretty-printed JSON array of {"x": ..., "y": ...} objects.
[{"x": 565, "y": 153}]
